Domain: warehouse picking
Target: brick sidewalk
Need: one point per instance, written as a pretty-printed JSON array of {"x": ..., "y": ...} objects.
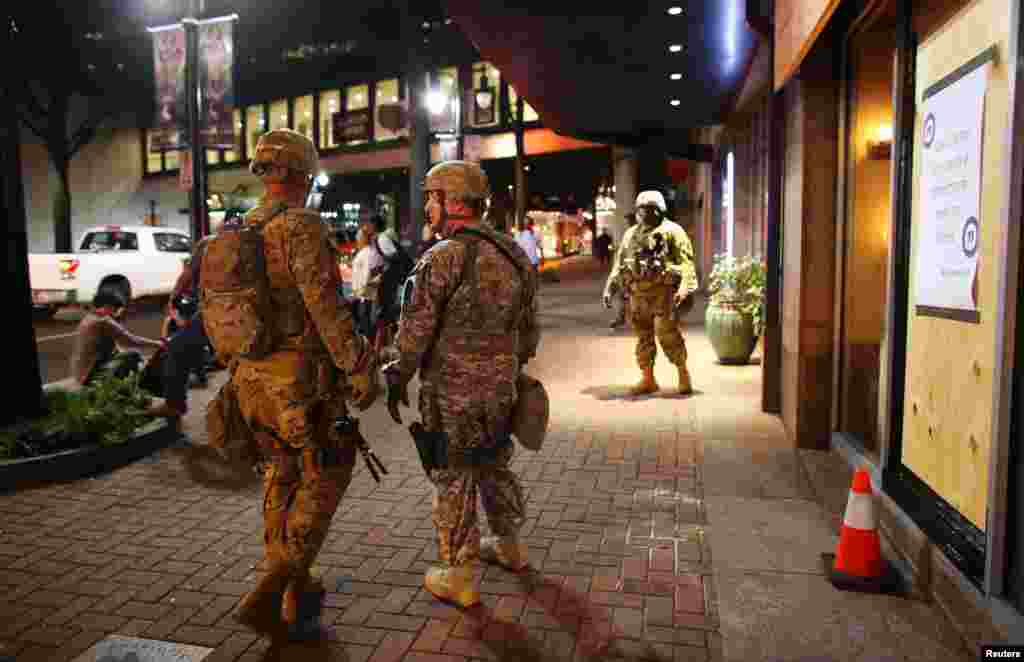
[{"x": 616, "y": 532}]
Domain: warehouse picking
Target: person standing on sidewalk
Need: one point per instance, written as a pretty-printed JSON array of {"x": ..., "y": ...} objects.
[
  {"x": 527, "y": 240},
  {"x": 468, "y": 326},
  {"x": 654, "y": 264},
  {"x": 288, "y": 400}
]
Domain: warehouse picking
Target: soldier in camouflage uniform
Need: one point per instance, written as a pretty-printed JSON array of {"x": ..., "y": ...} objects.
[
  {"x": 654, "y": 265},
  {"x": 468, "y": 326},
  {"x": 289, "y": 400}
]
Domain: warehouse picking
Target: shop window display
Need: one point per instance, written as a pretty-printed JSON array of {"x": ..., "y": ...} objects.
[
  {"x": 232, "y": 155},
  {"x": 484, "y": 106},
  {"x": 387, "y": 94},
  {"x": 330, "y": 103},
  {"x": 304, "y": 115},
  {"x": 154, "y": 160},
  {"x": 442, "y": 98},
  {"x": 357, "y": 97},
  {"x": 255, "y": 126},
  {"x": 279, "y": 114}
]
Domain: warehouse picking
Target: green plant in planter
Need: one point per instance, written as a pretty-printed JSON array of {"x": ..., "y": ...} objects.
[
  {"x": 107, "y": 412},
  {"x": 735, "y": 317}
]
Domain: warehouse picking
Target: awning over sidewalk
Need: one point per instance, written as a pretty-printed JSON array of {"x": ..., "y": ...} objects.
[{"x": 607, "y": 78}]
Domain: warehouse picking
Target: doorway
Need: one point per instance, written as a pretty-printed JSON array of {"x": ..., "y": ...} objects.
[{"x": 870, "y": 53}]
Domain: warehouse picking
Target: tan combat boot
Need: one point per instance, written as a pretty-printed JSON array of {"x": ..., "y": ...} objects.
[
  {"x": 300, "y": 608},
  {"x": 506, "y": 552},
  {"x": 454, "y": 584},
  {"x": 685, "y": 386},
  {"x": 646, "y": 384}
]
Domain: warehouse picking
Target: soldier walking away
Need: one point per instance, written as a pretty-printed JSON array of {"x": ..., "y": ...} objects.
[
  {"x": 654, "y": 266},
  {"x": 468, "y": 326},
  {"x": 288, "y": 399}
]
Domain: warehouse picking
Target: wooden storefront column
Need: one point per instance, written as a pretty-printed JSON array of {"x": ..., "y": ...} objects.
[{"x": 808, "y": 251}]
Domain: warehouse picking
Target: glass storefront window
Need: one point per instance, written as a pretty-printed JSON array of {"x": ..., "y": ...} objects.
[
  {"x": 330, "y": 103},
  {"x": 254, "y": 128},
  {"x": 153, "y": 161},
  {"x": 387, "y": 95},
  {"x": 357, "y": 97},
  {"x": 446, "y": 82},
  {"x": 232, "y": 155},
  {"x": 279, "y": 114},
  {"x": 480, "y": 115},
  {"x": 304, "y": 116},
  {"x": 529, "y": 114},
  {"x": 171, "y": 160}
]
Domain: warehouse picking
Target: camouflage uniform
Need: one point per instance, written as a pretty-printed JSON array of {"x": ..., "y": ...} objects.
[
  {"x": 652, "y": 265},
  {"x": 289, "y": 399},
  {"x": 293, "y": 395},
  {"x": 484, "y": 334}
]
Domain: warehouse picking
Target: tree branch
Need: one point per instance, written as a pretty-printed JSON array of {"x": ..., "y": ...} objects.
[
  {"x": 33, "y": 103},
  {"x": 32, "y": 127},
  {"x": 87, "y": 131}
]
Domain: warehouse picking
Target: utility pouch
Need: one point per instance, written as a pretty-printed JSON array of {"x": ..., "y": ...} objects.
[
  {"x": 431, "y": 446},
  {"x": 227, "y": 431}
]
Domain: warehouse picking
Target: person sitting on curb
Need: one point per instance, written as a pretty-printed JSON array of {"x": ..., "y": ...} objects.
[{"x": 99, "y": 340}]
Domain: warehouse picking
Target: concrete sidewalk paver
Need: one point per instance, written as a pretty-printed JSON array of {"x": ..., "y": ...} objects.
[{"x": 625, "y": 560}]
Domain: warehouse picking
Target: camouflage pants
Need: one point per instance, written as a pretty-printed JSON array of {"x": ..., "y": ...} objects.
[
  {"x": 651, "y": 315},
  {"x": 454, "y": 508},
  {"x": 301, "y": 492}
]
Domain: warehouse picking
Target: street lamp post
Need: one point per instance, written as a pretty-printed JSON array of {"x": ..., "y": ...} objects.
[{"x": 197, "y": 196}]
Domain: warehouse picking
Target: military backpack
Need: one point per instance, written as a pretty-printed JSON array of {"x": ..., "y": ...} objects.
[
  {"x": 235, "y": 293},
  {"x": 531, "y": 412}
]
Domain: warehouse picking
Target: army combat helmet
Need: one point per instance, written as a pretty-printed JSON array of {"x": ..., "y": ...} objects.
[
  {"x": 284, "y": 148},
  {"x": 462, "y": 180},
  {"x": 651, "y": 199}
]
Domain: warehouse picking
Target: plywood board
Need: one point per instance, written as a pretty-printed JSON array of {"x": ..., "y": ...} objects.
[{"x": 950, "y": 364}]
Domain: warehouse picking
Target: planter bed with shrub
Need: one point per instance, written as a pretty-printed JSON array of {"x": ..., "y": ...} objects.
[{"x": 95, "y": 429}]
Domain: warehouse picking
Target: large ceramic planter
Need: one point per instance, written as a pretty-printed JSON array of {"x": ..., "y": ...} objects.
[{"x": 731, "y": 333}]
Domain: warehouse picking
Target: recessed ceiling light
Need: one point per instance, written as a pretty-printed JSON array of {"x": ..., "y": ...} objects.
[
  {"x": 676, "y": 76},
  {"x": 675, "y": 102},
  {"x": 675, "y": 11},
  {"x": 675, "y": 48}
]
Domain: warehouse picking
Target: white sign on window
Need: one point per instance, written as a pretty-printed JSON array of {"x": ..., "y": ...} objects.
[{"x": 949, "y": 236}]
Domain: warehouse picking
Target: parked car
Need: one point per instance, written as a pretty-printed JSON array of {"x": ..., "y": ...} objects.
[{"x": 137, "y": 261}]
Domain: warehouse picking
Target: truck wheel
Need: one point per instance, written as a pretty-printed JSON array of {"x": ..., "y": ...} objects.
[{"x": 44, "y": 313}]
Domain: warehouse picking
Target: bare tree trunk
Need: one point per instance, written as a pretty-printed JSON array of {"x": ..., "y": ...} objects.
[
  {"x": 26, "y": 400},
  {"x": 520, "y": 173},
  {"x": 62, "y": 209}
]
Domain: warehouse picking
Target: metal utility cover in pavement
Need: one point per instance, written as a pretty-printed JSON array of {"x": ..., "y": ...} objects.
[{"x": 116, "y": 648}]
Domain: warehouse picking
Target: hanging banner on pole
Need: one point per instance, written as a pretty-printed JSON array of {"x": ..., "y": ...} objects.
[
  {"x": 948, "y": 241},
  {"x": 170, "y": 126},
  {"x": 216, "y": 67}
]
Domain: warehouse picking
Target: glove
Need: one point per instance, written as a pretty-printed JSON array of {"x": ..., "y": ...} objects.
[
  {"x": 363, "y": 388},
  {"x": 398, "y": 390},
  {"x": 680, "y": 298}
]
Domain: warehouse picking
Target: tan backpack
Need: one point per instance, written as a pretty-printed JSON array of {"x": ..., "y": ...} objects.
[{"x": 234, "y": 295}]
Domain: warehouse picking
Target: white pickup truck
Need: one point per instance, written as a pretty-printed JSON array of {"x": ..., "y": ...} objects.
[{"x": 137, "y": 260}]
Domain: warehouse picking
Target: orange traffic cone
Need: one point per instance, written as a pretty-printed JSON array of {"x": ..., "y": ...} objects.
[{"x": 857, "y": 564}]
